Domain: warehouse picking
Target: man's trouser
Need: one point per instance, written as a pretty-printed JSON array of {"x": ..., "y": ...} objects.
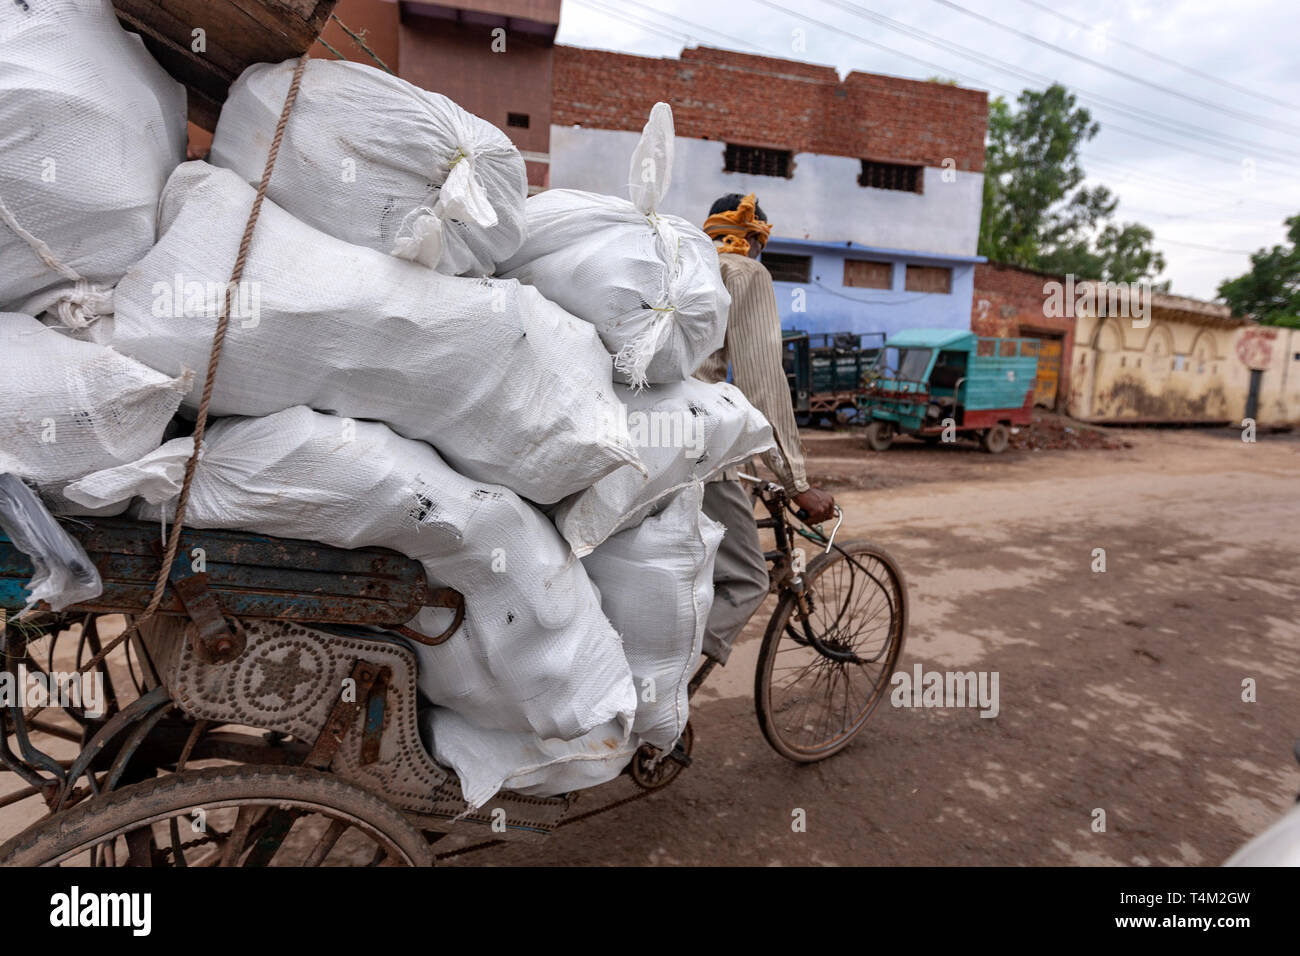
[{"x": 740, "y": 575}]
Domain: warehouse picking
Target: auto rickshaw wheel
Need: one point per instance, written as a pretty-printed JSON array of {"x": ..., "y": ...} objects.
[
  {"x": 880, "y": 435},
  {"x": 996, "y": 439}
]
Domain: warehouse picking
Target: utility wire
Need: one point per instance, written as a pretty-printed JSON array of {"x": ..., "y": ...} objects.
[
  {"x": 1198, "y": 245},
  {"x": 1169, "y": 90},
  {"x": 1283, "y": 156},
  {"x": 1111, "y": 38},
  {"x": 686, "y": 38}
]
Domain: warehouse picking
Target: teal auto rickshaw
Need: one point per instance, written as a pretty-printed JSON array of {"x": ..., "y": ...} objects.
[{"x": 936, "y": 382}]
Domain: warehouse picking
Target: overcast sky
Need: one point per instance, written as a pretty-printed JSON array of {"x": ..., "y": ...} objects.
[{"x": 1214, "y": 182}]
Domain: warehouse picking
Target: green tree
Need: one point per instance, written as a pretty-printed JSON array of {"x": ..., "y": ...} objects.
[
  {"x": 1037, "y": 213},
  {"x": 1270, "y": 292}
]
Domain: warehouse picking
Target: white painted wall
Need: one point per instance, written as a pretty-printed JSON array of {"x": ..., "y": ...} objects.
[{"x": 821, "y": 201}]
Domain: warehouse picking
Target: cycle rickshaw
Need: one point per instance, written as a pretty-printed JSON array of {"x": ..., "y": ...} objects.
[{"x": 226, "y": 740}]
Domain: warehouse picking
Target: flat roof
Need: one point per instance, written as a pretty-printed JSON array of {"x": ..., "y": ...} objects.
[{"x": 930, "y": 338}]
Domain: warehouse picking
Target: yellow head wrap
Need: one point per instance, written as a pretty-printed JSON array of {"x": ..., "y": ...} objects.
[{"x": 732, "y": 226}]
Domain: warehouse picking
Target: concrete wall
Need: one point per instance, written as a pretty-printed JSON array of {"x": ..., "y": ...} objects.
[
  {"x": 822, "y": 200},
  {"x": 825, "y": 304},
  {"x": 1180, "y": 370}
]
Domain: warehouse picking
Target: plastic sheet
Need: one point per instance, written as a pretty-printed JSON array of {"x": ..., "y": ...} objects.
[{"x": 64, "y": 574}]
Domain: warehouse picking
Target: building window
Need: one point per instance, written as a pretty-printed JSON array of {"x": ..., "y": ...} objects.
[
  {"x": 787, "y": 268},
  {"x": 758, "y": 161},
  {"x": 1180, "y": 362},
  {"x": 517, "y": 119},
  {"x": 867, "y": 274},
  {"x": 891, "y": 176},
  {"x": 929, "y": 279}
]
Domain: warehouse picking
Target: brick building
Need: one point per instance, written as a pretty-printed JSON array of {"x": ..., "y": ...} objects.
[
  {"x": 1008, "y": 302},
  {"x": 873, "y": 183}
]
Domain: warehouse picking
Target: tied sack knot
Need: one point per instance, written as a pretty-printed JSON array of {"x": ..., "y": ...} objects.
[{"x": 83, "y": 304}]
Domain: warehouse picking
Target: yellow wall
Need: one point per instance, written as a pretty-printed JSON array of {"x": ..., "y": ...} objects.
[{"x": 1181, "y": 370}]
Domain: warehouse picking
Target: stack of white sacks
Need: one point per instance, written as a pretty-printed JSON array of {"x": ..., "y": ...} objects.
[{"x": 418, "y": 358}]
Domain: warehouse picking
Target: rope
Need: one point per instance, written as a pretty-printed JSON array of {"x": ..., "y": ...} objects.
[
  {"x": 360, "y": 41},
  {"x": 337, "y": 54},
  {"x": 218, "y": 340}
]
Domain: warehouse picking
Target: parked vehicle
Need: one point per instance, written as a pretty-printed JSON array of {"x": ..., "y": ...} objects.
[
  {"x": 825, "y": 373},
  {"x": 928, "y": 381}
]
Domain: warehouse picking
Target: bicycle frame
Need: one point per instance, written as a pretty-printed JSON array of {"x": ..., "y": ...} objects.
[{"x": 785, "y": 576}]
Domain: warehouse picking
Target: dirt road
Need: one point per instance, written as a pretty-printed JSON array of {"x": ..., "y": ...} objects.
[{"x": 1119, "y": 691}]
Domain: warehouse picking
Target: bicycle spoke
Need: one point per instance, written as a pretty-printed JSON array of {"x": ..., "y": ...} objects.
[{"x": 849, "y": 642}]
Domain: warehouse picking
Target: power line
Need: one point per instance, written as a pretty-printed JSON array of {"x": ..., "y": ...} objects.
[
  {"x": 1075, "y": 55},
  {"x": 1169, "y": 184},
  {"x": 680, "y": 37},
  {"x": 1286, "y": 157},
  {"x": 1198, "y": 245},
  {"x": 725, "y": 36},
  {"x": 1157, "y": 56}
]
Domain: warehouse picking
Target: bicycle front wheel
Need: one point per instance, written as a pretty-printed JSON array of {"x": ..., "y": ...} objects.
[{"x": 823, "y": 668}]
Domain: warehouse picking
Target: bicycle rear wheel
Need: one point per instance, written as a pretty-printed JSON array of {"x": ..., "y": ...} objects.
[{"x": 821, "y": 674}]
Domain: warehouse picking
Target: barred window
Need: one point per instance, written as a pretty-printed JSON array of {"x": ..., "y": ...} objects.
[
  {"x": 787, "y": 268},
  {"x": 890, "y": 176},
  {"x": 758, "y": 161}
]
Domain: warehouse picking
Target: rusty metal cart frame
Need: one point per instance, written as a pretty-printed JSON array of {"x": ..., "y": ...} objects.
[{"x": 308, "y": 704}]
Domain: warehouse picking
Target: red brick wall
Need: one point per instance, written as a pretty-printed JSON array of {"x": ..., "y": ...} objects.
[
  {"x": 1008, "y": 302},
  {"x": 762, "y": 101}
]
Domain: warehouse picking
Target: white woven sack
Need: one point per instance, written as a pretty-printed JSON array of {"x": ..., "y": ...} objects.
[
  {"x": 508, "y": 386},
  {"x": 486, "y": 761},
  {"x": 683, "y": 432},
  {"x": 648, "y": 282},
  {"x": 369, "y": 158},
  {"x": 534, "y": 652},
  {"x": 90, "y": 128},
  {"x": 656, "y": 588},
  {"x": 68, "y": 408}
]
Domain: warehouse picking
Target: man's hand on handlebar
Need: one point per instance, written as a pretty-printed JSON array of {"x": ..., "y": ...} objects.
[{"x": 817, "y": 505}]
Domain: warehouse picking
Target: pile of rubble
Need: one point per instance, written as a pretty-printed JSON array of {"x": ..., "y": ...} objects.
[{"x": 1049, "y": 431}]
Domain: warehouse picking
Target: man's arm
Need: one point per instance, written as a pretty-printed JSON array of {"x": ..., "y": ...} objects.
[{"x": 754, "y": 350}]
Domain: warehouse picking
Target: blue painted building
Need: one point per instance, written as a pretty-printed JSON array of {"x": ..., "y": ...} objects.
[{"x": 846, "y": 287}]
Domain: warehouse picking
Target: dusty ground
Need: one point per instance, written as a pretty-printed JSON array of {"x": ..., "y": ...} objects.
[{"x": 1119, "y": 691}]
